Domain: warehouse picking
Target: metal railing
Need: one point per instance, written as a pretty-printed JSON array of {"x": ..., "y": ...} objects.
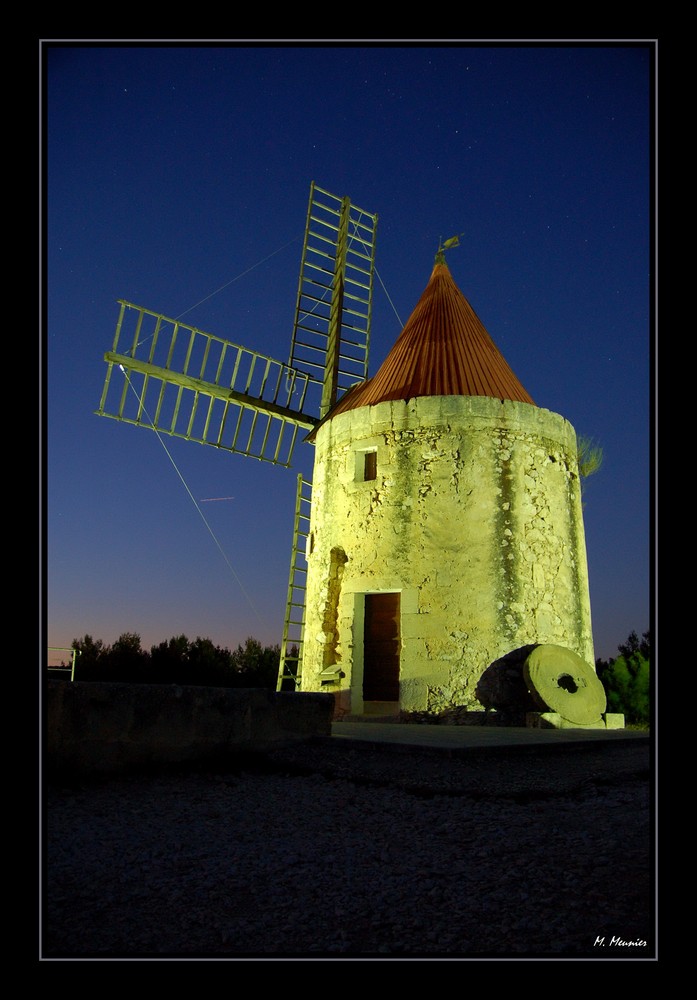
[{"x": 63, "y": 649}]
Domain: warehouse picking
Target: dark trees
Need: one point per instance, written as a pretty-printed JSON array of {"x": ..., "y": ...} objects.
[
  {"x": 177, "y": 661},
  {"x": 627, "y": 680}
]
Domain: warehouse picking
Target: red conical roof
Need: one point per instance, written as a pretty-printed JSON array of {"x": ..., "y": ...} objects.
[{"x": 444, "y": 350}]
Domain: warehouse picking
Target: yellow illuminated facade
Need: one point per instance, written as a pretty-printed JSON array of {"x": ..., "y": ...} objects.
[{"x": 467, "y": 510}]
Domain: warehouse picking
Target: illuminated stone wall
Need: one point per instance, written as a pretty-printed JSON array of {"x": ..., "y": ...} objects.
[{"x": 474, "y": 516}]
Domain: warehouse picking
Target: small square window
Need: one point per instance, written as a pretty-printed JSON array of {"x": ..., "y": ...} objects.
[{"x": 370, "y": 465}]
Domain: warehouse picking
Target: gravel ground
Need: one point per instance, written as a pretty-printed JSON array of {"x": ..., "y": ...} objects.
[{"x": 330, "y": 850}]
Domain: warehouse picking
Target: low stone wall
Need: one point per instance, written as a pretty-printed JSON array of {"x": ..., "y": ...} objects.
[{"x": 105, "y": 727}]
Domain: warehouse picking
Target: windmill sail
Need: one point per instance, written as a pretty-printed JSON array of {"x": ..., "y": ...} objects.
[
  {"x": 184, "y": 382},
  {"x": 178, "y": 380},
  {"x": 193, "y": 385},
  {"x": 331, "y": 334}
]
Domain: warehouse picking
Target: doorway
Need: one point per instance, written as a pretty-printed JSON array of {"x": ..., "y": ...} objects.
[{"x": 381, "y": 644}]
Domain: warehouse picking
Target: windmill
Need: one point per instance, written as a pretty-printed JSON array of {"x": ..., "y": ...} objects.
[
  {"x": 441, "y": 538},
  {"x": 194, "y": 385}
]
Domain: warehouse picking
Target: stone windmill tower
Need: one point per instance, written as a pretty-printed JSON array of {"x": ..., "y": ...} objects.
[
  {"x": 446, "y": 529},
  {"x": 442, "y": 531}
]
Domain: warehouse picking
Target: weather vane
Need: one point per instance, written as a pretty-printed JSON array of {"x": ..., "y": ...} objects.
[{"x": 454, "y": 241}]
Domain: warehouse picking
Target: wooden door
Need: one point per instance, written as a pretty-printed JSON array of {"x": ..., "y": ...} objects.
[{"x": 381, "y": 648}]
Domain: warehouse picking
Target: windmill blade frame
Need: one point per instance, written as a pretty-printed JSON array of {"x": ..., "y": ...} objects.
[
  {"x": 333, "y": 313},
  {"x": 194, "y": 385},
  {"x": 184, "y": 382}
]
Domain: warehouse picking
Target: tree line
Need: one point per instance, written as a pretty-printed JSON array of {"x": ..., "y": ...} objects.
[
  {"x": 177, "y": 661},
  {"x": 627, "y": 679}
]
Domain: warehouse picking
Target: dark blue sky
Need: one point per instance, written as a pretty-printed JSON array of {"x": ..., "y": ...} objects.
[{"x": 178, "y": 177}]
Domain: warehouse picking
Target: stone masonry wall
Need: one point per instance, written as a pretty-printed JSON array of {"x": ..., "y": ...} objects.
[{"x": 474, "y": 517}]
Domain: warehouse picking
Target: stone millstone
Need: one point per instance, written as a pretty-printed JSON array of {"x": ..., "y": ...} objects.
[{"x": 560, "y": 681}]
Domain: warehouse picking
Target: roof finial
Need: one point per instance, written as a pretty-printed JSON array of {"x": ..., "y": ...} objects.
[{"x": 454, "y": 241}]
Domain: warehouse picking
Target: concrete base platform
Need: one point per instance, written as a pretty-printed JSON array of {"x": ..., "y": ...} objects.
[
  {"x": 491, "y": 762},
  {"x": 460, "y": 737}
]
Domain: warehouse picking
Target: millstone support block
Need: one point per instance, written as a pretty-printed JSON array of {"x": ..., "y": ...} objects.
[
  {"x": 560, "y": 681},
  {"x": 552, "y": 720}
]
